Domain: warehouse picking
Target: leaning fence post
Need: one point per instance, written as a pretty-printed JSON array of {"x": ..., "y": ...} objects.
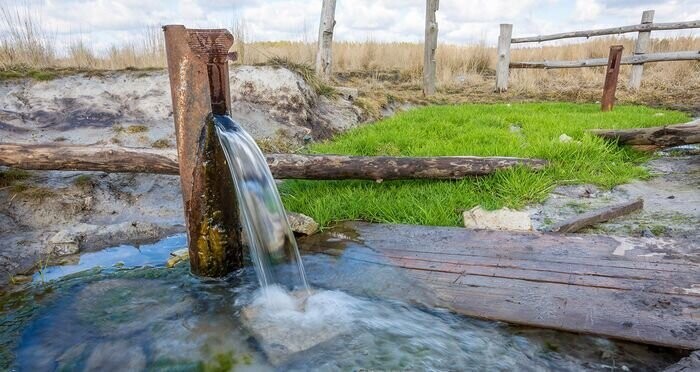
[
  {"x": 199, "y": 84},
  {"x": 503, "y": 63},
  {"x": 641, "y": 47},
  {"x": 611, "y": 74},
  {"x": 324, "y": 55},
  {"x": 431, "y": 34}
]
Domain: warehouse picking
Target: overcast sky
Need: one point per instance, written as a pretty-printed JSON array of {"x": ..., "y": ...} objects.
[{"x": 101, "y": 22}]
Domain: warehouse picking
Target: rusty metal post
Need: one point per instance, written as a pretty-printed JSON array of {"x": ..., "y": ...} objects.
[
  {"x": 611, "y": 75},
  {"x": 198, "y": 69}
]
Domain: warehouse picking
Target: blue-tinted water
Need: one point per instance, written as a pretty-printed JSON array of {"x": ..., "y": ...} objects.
[{"x": 139, "y": 315}]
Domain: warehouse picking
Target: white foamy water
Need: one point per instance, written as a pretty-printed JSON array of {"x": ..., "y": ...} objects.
[
  {"x": 329, "y": 330},
  {"x": 270, "y": 238}
]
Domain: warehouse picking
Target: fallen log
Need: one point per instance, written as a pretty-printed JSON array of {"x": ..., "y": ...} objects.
[
  {"x": 655, "y": 137},
  {"x": 283, "y": 166},
  {"x": 581, "y": 221}
]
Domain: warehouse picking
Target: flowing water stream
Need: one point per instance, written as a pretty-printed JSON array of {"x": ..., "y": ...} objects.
[
  {"x": 121, "y": 309},
  {"x": 264, "y": 220}
]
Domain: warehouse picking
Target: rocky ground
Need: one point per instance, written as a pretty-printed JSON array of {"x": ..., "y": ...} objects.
[{"x": 671, "y": 202}]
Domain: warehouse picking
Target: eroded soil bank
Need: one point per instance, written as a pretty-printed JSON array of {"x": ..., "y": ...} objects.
[{"x": 50, "y": 216}]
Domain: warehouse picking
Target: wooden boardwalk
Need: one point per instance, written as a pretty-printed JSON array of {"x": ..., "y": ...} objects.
[{"x": 642, "y": 290}]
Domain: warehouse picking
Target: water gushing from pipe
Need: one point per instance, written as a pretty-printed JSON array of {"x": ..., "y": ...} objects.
[{"x": 270, "y": 238}]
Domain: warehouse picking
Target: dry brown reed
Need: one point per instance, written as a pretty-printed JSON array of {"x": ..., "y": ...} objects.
[{"x": 27, "y": 45}]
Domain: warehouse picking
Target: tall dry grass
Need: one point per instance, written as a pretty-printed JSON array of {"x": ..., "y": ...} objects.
[{"x": 28, "y": 45}]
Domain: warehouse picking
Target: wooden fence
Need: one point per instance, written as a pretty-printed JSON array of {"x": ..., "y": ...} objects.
[{"x": 637, "y": 59}]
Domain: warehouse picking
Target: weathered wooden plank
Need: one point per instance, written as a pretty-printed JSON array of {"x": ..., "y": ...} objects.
[
  {"x": 594, "y": 249},
  {"x": 641, "y": 47},
  {"x": 593, "y": 266},
  {"x": 626, "y": 60},
  {"x": 539, "y": 272},
  {"x": 641, "y": 317},
  {"x": 283, "y": 166},
  {"x": 591, "y": 218},
  {"x": 610, "y": 31},
  {"x": 575, "y": 267},
  {"x": 599, "y": 285}
]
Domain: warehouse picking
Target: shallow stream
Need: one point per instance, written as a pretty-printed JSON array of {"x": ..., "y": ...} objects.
[{"x": 121, "y": 309}]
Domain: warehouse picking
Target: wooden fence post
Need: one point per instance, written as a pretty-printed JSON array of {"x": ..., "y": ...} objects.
[
  {"x": 611, "y": 75},
  {"x": 641, "y": 47},
  {"x": 324, "y": 55},
  {"x": 503, "y": 63},
  {"x": 431, "y": 34}
]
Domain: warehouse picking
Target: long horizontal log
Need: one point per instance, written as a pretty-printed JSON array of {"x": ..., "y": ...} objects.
[
  {"x": 283, "y": 166},
  {"x": 627, "y": 60},
  {"x": 609, "y": 31},
  {"x": 654, "y": 137},
  {"x": 591, "y": 218}
]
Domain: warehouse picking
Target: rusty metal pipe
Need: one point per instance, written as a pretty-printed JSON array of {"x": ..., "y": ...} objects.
[{"x": 198, "y": 70}]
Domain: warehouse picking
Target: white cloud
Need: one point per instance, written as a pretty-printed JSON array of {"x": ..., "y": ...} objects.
[
  {"x": 102, "y": 22},
  {"x": 587, "y": 10}
]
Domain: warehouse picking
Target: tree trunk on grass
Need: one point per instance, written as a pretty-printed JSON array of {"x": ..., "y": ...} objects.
[
  {"x": 656, "y": 137},
  {"x": 284, "y": 166}
]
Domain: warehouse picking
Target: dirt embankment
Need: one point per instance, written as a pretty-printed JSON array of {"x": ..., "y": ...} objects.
[{"x": 48, "y": 216}]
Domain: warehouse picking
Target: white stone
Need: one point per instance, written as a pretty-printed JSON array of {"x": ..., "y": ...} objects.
[
  {"x": 565, "y": 139},
  {"x": 301, "y": 223},
  {"x": 64, "y": 243},
  {"x": 501, "y": 219}
]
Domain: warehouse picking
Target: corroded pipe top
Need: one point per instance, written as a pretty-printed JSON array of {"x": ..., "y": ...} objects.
[{"x": 210, "y": 47}]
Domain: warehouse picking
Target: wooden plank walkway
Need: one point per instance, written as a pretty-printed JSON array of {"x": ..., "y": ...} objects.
[{"x": 636, "y": 289}]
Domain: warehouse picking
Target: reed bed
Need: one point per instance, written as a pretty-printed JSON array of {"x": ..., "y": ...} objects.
[{"x": 28, "y": 46}]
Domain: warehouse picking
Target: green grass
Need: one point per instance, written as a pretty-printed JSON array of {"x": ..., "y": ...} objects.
[{"x": 483, "y": 130}]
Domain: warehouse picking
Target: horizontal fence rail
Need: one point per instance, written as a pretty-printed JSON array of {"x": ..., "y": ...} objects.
[
  {"x": 637, "y": 59},
  {"x": 609, "y": 31},
  {"x": 627, "y": 60}
]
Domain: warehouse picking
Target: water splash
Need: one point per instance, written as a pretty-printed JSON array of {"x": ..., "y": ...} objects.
[{"x": 270, "y": 239}]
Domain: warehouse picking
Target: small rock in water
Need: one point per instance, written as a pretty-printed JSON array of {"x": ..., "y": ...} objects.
[
  {"x": 64, "y": 243},
  {"x": 177, "y": 256},
  {"x": 501, "y": 219},
  {"x": 302, "y": 224}
]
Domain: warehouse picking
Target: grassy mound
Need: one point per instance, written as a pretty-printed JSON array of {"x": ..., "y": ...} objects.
[{"x": 522, "y": 130}]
